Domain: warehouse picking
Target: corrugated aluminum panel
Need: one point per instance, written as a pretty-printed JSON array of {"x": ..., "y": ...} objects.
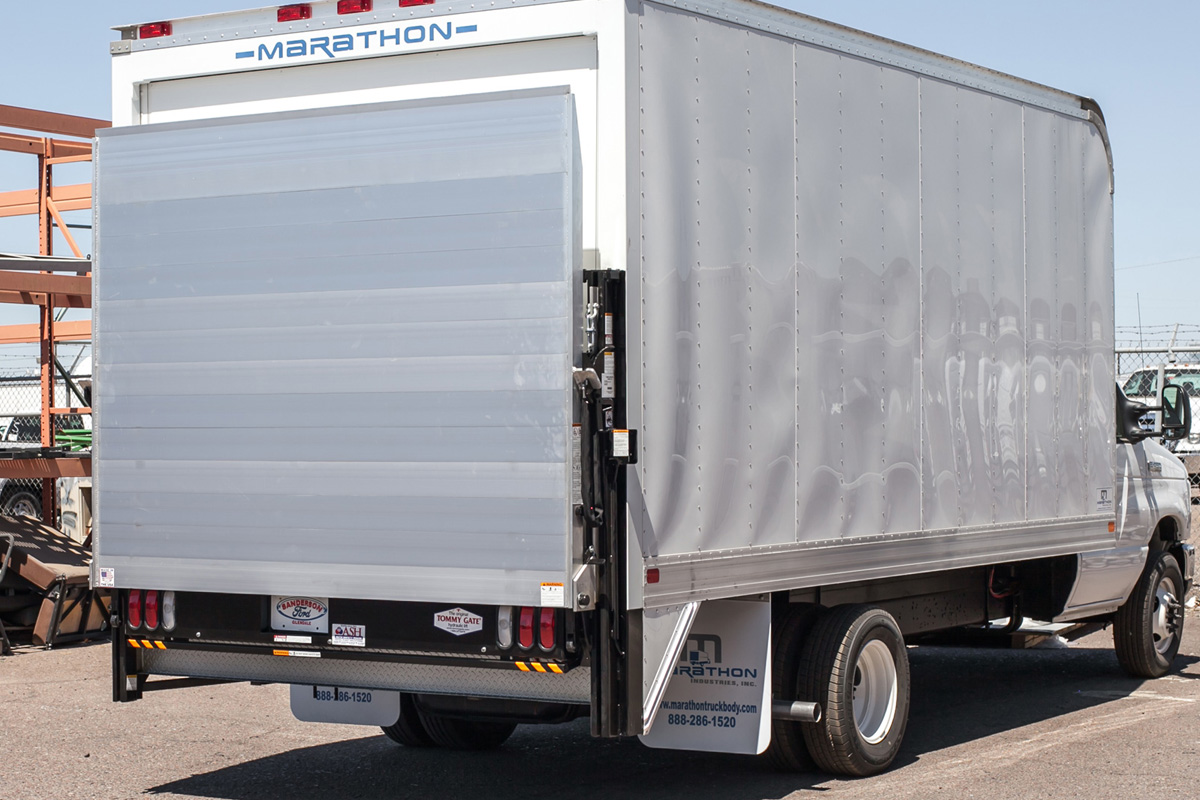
[
  {"x": 950, "y": 295},
  {"x": 334, "y": 350}
]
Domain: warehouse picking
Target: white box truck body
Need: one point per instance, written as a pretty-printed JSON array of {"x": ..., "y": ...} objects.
[{"x": 471, "y": 367}]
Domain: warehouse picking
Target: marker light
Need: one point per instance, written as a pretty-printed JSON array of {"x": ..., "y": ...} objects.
[
  {"x": 133, "y": 614},
  {"x": 353, "y": 6},
  {"x": 407, "y": 3},
  {"x": 293, "y": 13},
  {"x": 525, "y": 633},
  {"x": 168, "y": 611},
  {"x": 546, "y": 629},
  {"x": 154, "y": 30},
  {"x": 652, "y": 575},
  {"x": 504, "y": 631},
  {"x": 151, "y": 610}
]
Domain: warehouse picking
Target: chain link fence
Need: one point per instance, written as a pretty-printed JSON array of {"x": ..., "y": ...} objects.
[{"x": 21, "y": 414}]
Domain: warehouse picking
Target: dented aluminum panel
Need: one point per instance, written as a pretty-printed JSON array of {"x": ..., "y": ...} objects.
[{"x": 876, "y": 316}]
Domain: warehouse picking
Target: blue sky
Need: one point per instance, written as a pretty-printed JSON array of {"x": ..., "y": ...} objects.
[{"x": 1139, "y": 60}]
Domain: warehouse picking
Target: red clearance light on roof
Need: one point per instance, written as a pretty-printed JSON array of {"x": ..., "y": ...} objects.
[
  {"x": 353, "y": 6},
  {"x": 154, "y": 29},
  {"x": 407, "y": 3},
  {"x": 293, "y": 13}
]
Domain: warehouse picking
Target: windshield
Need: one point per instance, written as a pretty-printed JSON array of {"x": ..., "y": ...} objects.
[{"x": 1144, "y": 383}]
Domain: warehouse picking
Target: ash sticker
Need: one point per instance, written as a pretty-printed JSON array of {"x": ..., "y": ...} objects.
[
  {"x": 349, "y": 635},
  {"x": 458, "y": 621}
]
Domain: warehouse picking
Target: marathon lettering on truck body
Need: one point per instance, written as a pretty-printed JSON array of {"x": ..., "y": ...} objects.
[{"x": 374, "y": 41}]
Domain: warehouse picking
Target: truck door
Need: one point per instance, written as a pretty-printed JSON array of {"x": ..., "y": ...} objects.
[{"x": 334, "y": 351}]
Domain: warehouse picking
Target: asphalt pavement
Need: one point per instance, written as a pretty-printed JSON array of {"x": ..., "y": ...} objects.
[{"x": 1061, "y": 722}]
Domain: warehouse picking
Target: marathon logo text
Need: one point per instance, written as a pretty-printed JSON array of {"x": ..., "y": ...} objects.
[
  {"x": 360, "y": 42},
  {"x": 716, "y": 672}
]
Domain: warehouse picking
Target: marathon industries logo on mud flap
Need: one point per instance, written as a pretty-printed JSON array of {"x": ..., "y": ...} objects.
[
  {"x": 701, "y": 658},
  {"x": 388, "y": 39},
  {"x": 301, "y": 609},
  {"x": 458, "y": 621}
]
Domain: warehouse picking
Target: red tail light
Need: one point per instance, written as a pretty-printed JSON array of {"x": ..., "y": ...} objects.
[
  {"x": 353, "y": 6},
  {"x": 546, "y": 629},
  {"x": 525, "y": 630},
  {"x": 151, "y": 611},
  {"x": 134, "y": 613},
  {"x": 154, "y": 30},
  {"x": 652, "y": 575},
  {"x": 407, "y": 3},
  {"x": 293, "y": 13}
]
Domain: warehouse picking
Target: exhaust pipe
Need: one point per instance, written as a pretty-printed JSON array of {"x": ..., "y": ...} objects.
[{"x": 797, "y": 711}]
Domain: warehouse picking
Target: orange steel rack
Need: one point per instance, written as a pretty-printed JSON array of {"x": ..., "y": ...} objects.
[{"x": 45, "y": 280}]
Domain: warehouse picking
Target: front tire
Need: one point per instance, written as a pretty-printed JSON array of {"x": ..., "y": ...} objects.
[
  {"x": 855, "y": 665},
  {"x": 1148, "y": 628}
]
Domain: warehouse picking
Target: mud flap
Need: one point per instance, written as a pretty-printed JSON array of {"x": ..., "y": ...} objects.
[{"x": 715, "y": 692}]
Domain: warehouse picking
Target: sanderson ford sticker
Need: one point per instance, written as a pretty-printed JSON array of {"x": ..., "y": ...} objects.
[
  {"x": 458, "y": 621},
  {"x": 300, "y": 614}
]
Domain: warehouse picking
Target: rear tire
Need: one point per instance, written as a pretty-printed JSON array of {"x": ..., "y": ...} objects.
[
  {"x": 856, "y": 666},
  {"x": 466, "y": 734},
  {"x": 1147, "y": 630},
  {"x": 408, "y": 729},
  {"x": 787, "y": 750}
]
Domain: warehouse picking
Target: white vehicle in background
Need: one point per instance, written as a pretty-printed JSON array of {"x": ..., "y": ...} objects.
[{"x": 1142, "y": 386}]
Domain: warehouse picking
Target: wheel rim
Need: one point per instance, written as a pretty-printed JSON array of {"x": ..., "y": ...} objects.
[
  {"x": 1163, "y": 622},
  {"x": 24, "y": 507},
  {"x": 876, "y": 691}
]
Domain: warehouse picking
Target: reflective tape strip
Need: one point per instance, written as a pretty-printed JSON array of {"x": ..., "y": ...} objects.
[
  {"x": 146, "y": 643},
  {"x": 133, "y": 643},
  {"x": 298, "y": 653},
  {"x": 160, "y": 645},
  {"x": 536, "y": 666}
]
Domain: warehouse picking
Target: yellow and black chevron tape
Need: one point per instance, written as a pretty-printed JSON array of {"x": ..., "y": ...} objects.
[
  {"x": 537, "y": 666},
  {"x": 146, "y": 644}
]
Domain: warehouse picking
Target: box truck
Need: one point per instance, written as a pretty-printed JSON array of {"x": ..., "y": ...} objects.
[{"x": 667, "y": 363}]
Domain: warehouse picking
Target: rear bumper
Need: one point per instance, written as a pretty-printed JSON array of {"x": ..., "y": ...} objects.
[{"x": 571, "y": 687}]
